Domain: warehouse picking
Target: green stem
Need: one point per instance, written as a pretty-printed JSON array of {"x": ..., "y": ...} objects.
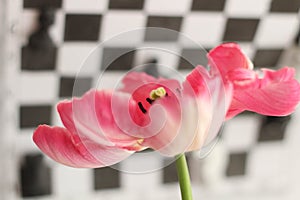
[{"x": 184, "y": 177}]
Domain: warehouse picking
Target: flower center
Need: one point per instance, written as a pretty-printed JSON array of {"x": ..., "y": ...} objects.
[{"x": 154, "y": 95}]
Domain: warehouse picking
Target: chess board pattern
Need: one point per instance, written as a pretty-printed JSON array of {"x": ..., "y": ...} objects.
[{"x": 256, "y": 157}]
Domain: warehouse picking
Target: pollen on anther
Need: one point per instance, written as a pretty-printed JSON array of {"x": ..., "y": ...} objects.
[{"x": 157, "y": 93}]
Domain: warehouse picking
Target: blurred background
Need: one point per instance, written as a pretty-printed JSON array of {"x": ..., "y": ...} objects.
[{"x": 43, "y": 44}]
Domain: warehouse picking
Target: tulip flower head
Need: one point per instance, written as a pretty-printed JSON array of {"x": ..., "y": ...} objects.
[{"x": 104, "y": 127}]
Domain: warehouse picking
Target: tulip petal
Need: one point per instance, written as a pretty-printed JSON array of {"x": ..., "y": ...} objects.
[
  {"x": 196, "y": 117},
  {"x": 67, "y": 148},
  {"x": 276, "y": 94},
  {"x": 140, "y": 85},
  {"x": 163, "y": 140},
  {"x": 170, "y": 138},
  {"x": 178, "y": 136},
  {"x": 227, "y": 57},
  {"x": 92, "y": 116},
  {"x": 213, "y": 99}
]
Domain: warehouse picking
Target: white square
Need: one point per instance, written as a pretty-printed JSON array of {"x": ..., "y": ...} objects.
[
  {"x": 246, "y": 8},
  {"x": 268, "y": 164},
  {"x": 144, "y": 166},
  {"x": 248, "y": 49},
  {"x": 120, "y": 27},
  {"x": 292, "y": 137},
  {"x": 83, "y": 6},
  {"x": 277, "y": 30},
  {"x": 38, "y": 87},
  {"x": 167, "y": 7},
  {"x": 72, "y": 183},
  {"x": 25, "y": 142},
  {"x": 241, "y": 132},
  {"x": 204, "y": 28},
  {"x": 82, "y": 58}
]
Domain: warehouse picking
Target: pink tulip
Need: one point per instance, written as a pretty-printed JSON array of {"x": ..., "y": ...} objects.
[{"x": 105, "y": 127}]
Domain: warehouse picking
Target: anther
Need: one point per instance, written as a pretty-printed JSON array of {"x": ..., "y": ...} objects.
[
  {"x": 142, "y": 107},
  {"x": 150, "y": 101},
  {"x": 157, "y": 93}
]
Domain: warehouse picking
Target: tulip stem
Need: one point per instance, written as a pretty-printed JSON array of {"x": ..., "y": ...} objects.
[{"x": 184, "y": 177}]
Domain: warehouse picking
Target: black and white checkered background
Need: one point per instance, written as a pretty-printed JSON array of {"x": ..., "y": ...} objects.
[{"x": 256, "y": 158}]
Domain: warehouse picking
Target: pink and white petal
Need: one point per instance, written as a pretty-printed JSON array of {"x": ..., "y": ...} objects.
[
  {"x": 194, "y": 128},
  {"x": 227, "y": 57},
  {"x": 196, "y": 84},
  {"x": 80, "y": 118},
  {"x": 199, "y": 106},
  {"x": 277, "y": 94},
  {"x": 67, "y": 148},
  {"x": 185, "y": 132},
  {"x": 140, "y": 85},
  {"x": 163, "y": 140},
  {"x": 92, "y": 116},
  {"x": 213, "y": 97}
]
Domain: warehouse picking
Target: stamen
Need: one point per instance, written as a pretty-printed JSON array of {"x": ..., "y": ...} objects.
[
  {"x": 150, "y": 101},
  {"x": 142, "y": 107},
  {"x": 157, "y": 93}
]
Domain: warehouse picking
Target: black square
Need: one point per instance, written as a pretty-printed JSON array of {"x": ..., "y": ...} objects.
[
  {"x": 237, "y": 164},
  {"x": 126, "y": 4},
  {"x": 170, "y": 173},
  {"x": 117, "y": 58},
  {"x": 68, "y": 89},
  {"x": 267, "y": 57},
  {"x": 190, "y": 58},
  {"x": 273, "y": 128},
  {"x": 285, "y": 6},
  {"x": 208, "y": 5},
  {"x": 35, "y": 176},
  {"x": 240, "y": 29},
  {"x": 32, "y": 116},
  {"x": 82, "y": 27},
  {"x": 297, "y": 39},
  {"x": 173, "y": 23},
  {"x": 38, "y": 59},
  {"x": 42, "y": 3},
  {"x": 106, "y": 178}
]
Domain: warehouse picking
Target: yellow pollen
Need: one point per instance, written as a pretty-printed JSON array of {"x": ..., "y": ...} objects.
[
  {"x": 158, "y": 93},
  {"x": 140, "y": 141}
]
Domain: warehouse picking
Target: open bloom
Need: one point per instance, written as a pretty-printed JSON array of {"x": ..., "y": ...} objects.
[{"x": 104, "y": 127}]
